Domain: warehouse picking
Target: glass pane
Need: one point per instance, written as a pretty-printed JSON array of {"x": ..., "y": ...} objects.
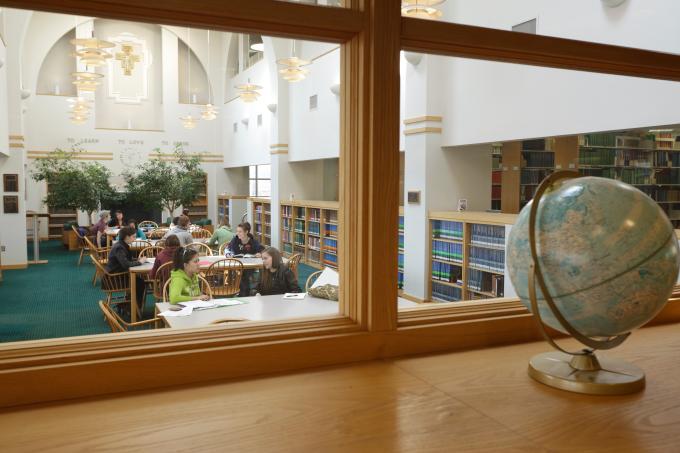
[
  {"x": 215, "y": 113},
  {"x": 264, "y": 171},
  {"x": 619, "y": 22},
  {"x": 263, "y": 188},
  {"x": 475, "y": 153}
]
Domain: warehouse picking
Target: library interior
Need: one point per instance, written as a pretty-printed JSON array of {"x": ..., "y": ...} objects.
[{"x": 273, "y": 186}]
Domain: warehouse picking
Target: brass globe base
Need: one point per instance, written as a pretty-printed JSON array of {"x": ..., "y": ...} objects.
[{"x": 586, "y": 373}]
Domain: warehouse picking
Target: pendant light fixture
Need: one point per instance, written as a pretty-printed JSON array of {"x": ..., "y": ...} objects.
[
  {"x": 209, "y": 112},
  {"x": 90, "y": 51},
  {"x": 86, "y": 81},
  {"x": 189, "y": 122},
  {"x": 248, "y": 92},
  {"x": 256, "y": 44},
  {"x": 293, "y": 70},
  {"x": 421, "y": 9}
]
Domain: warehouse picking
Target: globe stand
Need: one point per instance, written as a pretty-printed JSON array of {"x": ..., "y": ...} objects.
[{"x": 581, "y": 371}]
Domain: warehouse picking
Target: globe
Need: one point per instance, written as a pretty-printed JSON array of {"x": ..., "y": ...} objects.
[{"x": 608, "y": 254}]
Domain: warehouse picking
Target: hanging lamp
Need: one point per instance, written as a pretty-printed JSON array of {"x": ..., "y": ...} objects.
[
  {"x": 209, "y": 111},
  {"x": 189, "y": 122},
  {"x": 248, "y": 92},
  {"x": 86, "y": 81},
  {"x": 90, "y": 51},
  {"x": 293, "y": 70},
  {"x": 421, "y": 9}
]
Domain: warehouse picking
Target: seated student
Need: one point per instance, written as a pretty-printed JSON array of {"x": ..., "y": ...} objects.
[
  {"x": 245, "y": 243},
  {"x": 184, "y": 277},
  {"x": 181, "y": 230},
  {"x": 117, "y": 220},
  {"x": 99, "y": 229},
  {"x": 120, "y": 259},
  {"x": 221, "y": 235},
  {"x": 166, "y": 255},
  {"x": 175, "y": 221},
  {"x": 132, "y": 223},
  {"x": 276, "y": 278}
]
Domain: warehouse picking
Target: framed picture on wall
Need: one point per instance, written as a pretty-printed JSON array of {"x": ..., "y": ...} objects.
[
  {"x": 11, "y": 204},
  {"x": 10, "y": 182}
]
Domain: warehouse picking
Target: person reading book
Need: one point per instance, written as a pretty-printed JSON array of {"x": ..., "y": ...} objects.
[
  {"x": 276, "y": 278},
  {"x": 245, "y": 243},
  {"x": 184, "y": 284}
]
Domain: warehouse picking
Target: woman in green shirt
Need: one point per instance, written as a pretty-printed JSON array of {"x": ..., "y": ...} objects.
[
  {"x": 222, "y": 235},
  {"x": 184, "y": 277}
]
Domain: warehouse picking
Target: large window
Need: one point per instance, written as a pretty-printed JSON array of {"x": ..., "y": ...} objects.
[
  {"x": 368, "y": 325},
  {"x": 260, "y": 180}
]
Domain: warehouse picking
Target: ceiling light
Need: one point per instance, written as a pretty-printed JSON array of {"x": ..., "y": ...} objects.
[
  {"x": 189, "y": 122},
  {"x": 421, "y": 9},
  {"x": 248, "y": 91},
  {"x": 256, "y": 44},
  {"x": 293, "y": 70},
  {"x": 86, "y": 81},
  {"x": 209, "y": 112}
]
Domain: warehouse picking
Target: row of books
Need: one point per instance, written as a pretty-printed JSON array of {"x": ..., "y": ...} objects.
[
  {"x": 659, "y": 194},
  {"x": 485, "y": 282},
  {"x": 330, "y": 230},
  {"x": 599, "y": 140},
  {"x": 400, "y": 264},
  {"x": 314, "y": 214},
  {"x": 313, "y": 228},
  {"x": 400, "y": 279},
  {"x": 537, "y": 144},
  {"x": 538, "y": 159},
  {"x": 533, "y": 176},
  {"x": 314, "y": 255},
  {"x": 287, "y": 211},
  {"x": 447, "y": 251},
  {"x": 330, "y": 260},
  {"x": 487, "y": 259},
  {"x": 300, "y": 225},
  {"x": 496, "y": 192},
  {"x": 299, "y": 239},
  {"x": 627, "y": 157},
  {"x": 493, "y": 235},
  {"x": 401, "y": 223},
  {"x": 287, "y": 247},
  {"x": 286, "y": 223},
  {"x": 314, "y": 242},
  {"x": 496, "y": 176},
  {"x": 447, "y": 229},
  {"x": 331, "y": 216},
  {"x": 299, "y": 212},
  {"x": 331, "y": 244},
  {"x": 401, "y": 240},
  {"x": 447, "y": 272},
  {"x": 445, "y": 293},
  {"x": 286, "y": 236}
]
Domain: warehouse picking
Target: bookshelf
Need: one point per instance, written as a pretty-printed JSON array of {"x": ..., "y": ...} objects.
[
  {"x": 310, "y": 228},
  {"x": 230, "y": 208},
  {"x": 199, "y": 208},
  {"x": 400, "y": 250},
  {"x": 262, "y": 220},
  {"x": 467, "y": 255},
  {"x": 650, "y": 162},
  {"x": 496, "y": 176},
  {"x": 537, "y": 162}
]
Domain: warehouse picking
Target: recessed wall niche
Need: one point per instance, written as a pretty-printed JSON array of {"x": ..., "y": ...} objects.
[{"x": 54, "y": 77}]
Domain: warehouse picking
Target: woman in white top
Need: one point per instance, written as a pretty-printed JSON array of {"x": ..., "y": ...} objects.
[{"x": 181, "y": 231}]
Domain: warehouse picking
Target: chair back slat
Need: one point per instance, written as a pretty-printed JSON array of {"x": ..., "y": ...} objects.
[
  {"x": 202, "y": 284},
  {"x": 293, "y": 262},
  {"x": 311, "y": 279},
  {"x": 224, "y": 277},
  {"x": 110, "y": 318},
  {"x": 160, "y": 278},
  {"x": 202, "y": 249},
  {"x": 201, "y": 234},
  {"x": 150, "y": 252}
]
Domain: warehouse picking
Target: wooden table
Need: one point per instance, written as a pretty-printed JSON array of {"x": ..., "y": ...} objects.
[
  {"x": 206, "y": 261},
  {"x": 260, "y": 308}
]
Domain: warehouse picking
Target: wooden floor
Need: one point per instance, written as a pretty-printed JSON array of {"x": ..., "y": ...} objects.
[{"x": 472, "y": 401}]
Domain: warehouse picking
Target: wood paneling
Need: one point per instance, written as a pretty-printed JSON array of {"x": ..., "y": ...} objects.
[
  {"x": 481, "y": 400},
  {"x": 566, "y": 152},
  {"x": 512, "y": 157},
  {"x": 490, "y": 44}
]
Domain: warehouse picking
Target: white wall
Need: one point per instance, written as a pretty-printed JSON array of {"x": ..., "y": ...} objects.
[{"x": 55, "y": 72}]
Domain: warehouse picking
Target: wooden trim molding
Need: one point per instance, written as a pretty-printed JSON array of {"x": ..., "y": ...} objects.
[
  {"x": 424, "y": 119},
  {"x": 5, "y": 267},
  {"x": 278, "y": 145},
  {"x": 423, "y": 130},
  {"x": 82, "y": 155},
  {"x": 16, "y": 137},
  {"x": 16, "y": 145},
  {"x": 468, "y": 41},
  {"x": 130, "y": 130},
  {"x": 278, "y": 148}
]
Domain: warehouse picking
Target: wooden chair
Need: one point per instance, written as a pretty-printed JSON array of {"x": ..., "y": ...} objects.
[
  {"x": 82, "y": 245},
  {"x": 224, "y": 277},
  {"x": 159, "y": 280},
  {"x": 201, "y": 234},
  {"x": 202, "y": 284},
  {"x": 311, "y": 279},
  {"x": 293, "y": 262},
  {"x": 223, "y": 248},
  {"x": 202, "y": 249},
  {"x": 99, "y": 254},
  {"x": 160, "y": 243},
  {"x": 116, "y": 286},
  {"x": 150, "y": 224},
  {"x": 158, "y": 233},
  {"x": 118, "y": 324},
  {"x": 150, "y": 252},
  {"x": 137, "y": 246}
]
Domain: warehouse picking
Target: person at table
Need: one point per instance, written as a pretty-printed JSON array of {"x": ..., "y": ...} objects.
[
  {"x": 181, "y": 230},
  {"x": 276, "y": 277},
  {"x": 120, "y": 260},
  {"x": 117, "y": 220},
  {"x": 166, "y": 255},
  {"x": 99, "y": 229},
  {"x": 222, "y": 235},
  {"x": 245, "y": 243},
  {"x": 184, "y": 284},
  {"x": 132, "y": 223}
]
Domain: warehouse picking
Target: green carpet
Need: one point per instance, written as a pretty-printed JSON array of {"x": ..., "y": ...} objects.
[{"x": 57, "y": 299}]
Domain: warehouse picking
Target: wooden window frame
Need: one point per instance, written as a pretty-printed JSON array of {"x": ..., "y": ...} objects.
[{"x": 368, "y": 327}]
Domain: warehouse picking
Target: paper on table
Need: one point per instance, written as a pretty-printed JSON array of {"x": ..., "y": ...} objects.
[
  {"x": 294, "y": 295},
  {"x": 186, "y": 311},
  {"x": 228, "y": 302},
  {"x": 197, "y": 303}
]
